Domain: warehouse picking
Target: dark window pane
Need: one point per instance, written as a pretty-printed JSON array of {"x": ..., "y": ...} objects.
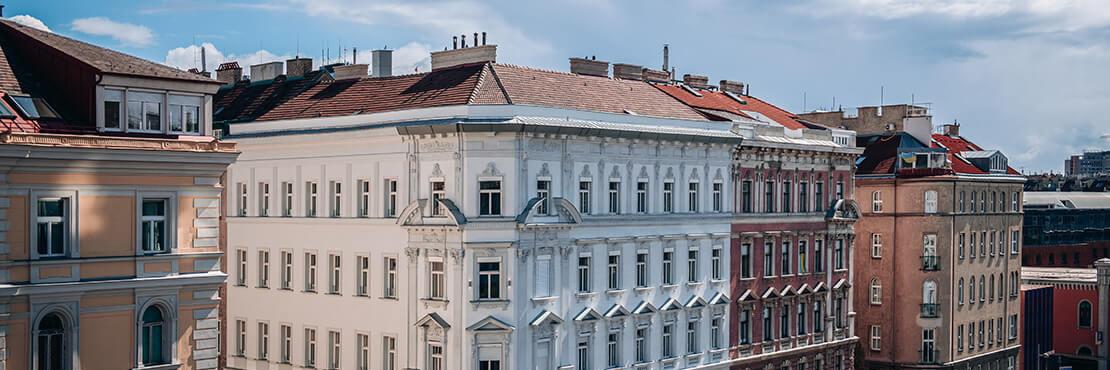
[
  {"x": 111, "y": 114},
  {"x": 57, "y": 238},
  {"x": 51, "y": 208},
  {"x": 156, "y": 207}
]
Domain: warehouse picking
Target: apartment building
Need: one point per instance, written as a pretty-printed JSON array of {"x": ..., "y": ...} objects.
[
  {"x": 479, "y": 216},
  {"x": 1065, "y": 312},
  {"x": 939, "y": 272},
  {"x": 792, "y": 233},
  {"x": 110, "y": 248}
]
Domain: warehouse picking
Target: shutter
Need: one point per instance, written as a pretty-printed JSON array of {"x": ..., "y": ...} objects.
[
  {"x": 543, "y": 276},
  {"x": 543, "y": 356},
  {"x": 489, "y": 353}
]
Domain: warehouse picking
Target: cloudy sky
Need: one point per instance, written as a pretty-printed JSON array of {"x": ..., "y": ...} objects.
[{"x": 1030, "y": 77}]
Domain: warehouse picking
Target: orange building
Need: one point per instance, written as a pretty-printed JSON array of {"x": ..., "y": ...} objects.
[{"x": 110, "y": 225}]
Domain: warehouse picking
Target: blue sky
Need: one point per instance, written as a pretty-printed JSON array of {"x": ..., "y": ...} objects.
[{"x": 1029, "y": 77}]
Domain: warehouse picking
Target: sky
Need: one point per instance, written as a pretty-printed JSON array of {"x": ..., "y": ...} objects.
[{"x": 1028, "y": 77}]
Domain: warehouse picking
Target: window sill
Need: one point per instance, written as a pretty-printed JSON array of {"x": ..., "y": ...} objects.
[
  {"x": 544, "y": 299},
  {"x": 267, "y": 287},
  {"x": 288, "y": 289},
  {"x": 389, "y": 298},
  {"x": 158, "y": 367},
  {"x": 669, "y": 286},
  {"x": 694, "y": 283},
  {"x": 429, "y": 299},
  {"x": 616, "y": 291},
  {"x": 309, "y": 291},
  {"x": 585, "y": 295},
  {"x": 334, "y": 294},
  {"x": 643, "y": 289},
  {"x": 490, "y": 303},
  {"x": 718, "y": 281}
]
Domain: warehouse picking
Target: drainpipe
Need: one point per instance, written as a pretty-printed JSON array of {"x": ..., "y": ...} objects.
[{"x": 1103, "y": 267}]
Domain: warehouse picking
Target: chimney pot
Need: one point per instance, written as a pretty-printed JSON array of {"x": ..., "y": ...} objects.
[
  {"x": 464, "y": 41},
  {"x": 589, "y": 67},
  {"x": 697, "y": 81},
  {"x": 454, "y": 42},
  {"x": 483, "y": 38},
  {"x": 229, "y": 73},
  {"x": 381, "y": 63}
]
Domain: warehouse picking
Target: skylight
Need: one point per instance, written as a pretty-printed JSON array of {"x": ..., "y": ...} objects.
[
  {"x": 33, "y": 108},
  {"x": 5, "y": 112}
]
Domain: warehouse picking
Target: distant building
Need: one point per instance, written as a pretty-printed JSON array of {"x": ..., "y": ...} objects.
[
  {"x": 1065, "y": 229},
  {"x": 1071, "y": 165},
  {"x": 1091, "y": 163},
  {"x": 875, "y": 120},
  {"x": 1066, "y": 326}
]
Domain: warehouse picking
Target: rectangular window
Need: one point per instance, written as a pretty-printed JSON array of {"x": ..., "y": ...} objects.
[
  {"x": 154, "y": 225},
  {"x": 692, "y": 337},
  {"x": 668, "y": 340},
  {"x": 389, "y": 353},
  {"x": 363, "y": 360},
  {"x": 768, "y": 324},
  {"x": 311, "y": 196},
  {"x": 309, "y": 347},
  {"x": 263, "y": 341},
  {"x": 803, "y": 197},
  {"x": 389, "y": 289},
  {"x": 334, "y": 344},
  {"x": 787, "y": 207},
  {"x": 769, "y": 197},
  {"x": 263, "y": 269},
  {"x": 718, "y": 188},
  {"x": 435, "y": 357},
  {"x": 1014, "y": 236},
  {"x": 286, "y": 199},
  {"x": 583, "y": 353},
  {"x": 960, "y": 338},
  {"x": 876, "y": 338},
  {"x": 745, "y": 260},
  {"x": 241, "y": 268},
  {"x": 336, "y": 273},
  {"x": 489, "y": 280},
  {"x": 963, "y": 207},
  {"x": 286, "y": 270},
  {"x": 930, "y": 201},
  {"x": 263, "y": 199},
  {"x": 436, "y": 283},
  {"x": 363, "y": 276},
  {"x": 803, "y": 264},
  {"x": 185, "y": 113},
  {"x": 838, "y": 254},
  {"x": 584, "y": 197},
  {"x": 818, "y": 256},
  {"x": 960, "y": 247},
  {"x": 641, "y": 269},
  {"x": 784, "y": 321},
  {"x": 745, "y": 327},
  {"x": 983, "y": 244},
  {"x": 363, "y": 198},
  {"x": 971, "y": 336},
  {"x": 668, "y": 197},
  {"x": 336, "y": 198},
  {"x": 390, "y": 197},
  {"x": 801, "y": 324},
  {"x": 543, "y": 191},
  {"x": 113, "y": 102},
  {"x": 786, "y": 259},
  {"x": 310, "y": 272},
  {"x": 928, "y": 352},
  {"x": 242, "y": 206},
  {"x": 768, "y": 259},
  {"x": 668, "y": 267},
  {"x": 746, "y": 196},
  {"x": 614, "y": 197},
  {"x": 818, "y": 317},
  {"x": 439, "y": 191},
  {"x": 715, "y": 264},
  {"x": 876, "y": 245},
  {"x": 1014, "y": 203},
  {"x": 715, "y": 332},
  {"x": 543, "y": 276},
  {"x": 240, "y": 338},
  {"x": 614, "y": 272},
  {"x": 693, "y": 195},
  {"x": 839, "y": 190},
  {"x": 489, "y": 198},
  {"x": 819, "y": 196},
  {"x": 1013, "y": 327},
  {"x": 53, "y": 232},
  {"x": 876, "y": 202},
  {"x": 144, "y": 111},
  {"x": 641, "y": 345},
  {"x": 641, "y": 197},
  {"x": 692, "y": 266},
  {"x": 583, "y": 273},
  {"x": 286, "y": 343}
]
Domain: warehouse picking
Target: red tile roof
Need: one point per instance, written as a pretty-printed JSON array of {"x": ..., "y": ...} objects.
[
  {"x": 245, "y": 100},
  {"x": 717, "y": 100},
  {"x": 959, "y": 144}
]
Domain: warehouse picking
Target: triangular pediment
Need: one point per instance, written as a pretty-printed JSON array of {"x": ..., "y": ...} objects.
[
  {"x": 670, "y": 305},
  {"x": 616, "y": 311},
  {"x": 432, "y": 319},
  {"x": 718, "y": 299},
  {"x": 643, "y": 308},
  {"x": 546, "y": 317},
  {"x": 587, "y": 314},
  {"x": 490, "y": 323},
  {"x": 695, "y": 302}
]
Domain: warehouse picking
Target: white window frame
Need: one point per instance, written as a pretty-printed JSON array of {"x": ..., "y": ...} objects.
[
  {"x": 583, "y": 270},
  {"x": 335, "y": 349},
  {"x": 642, "y": 196},
  {"x": 390, "y": 191},
  {"x": 170, "y": 220},
  {"x": 487, "y": 195},
  {"x": 69, "y": 218},
  {"x": 240, "y": 338},
  {"x": 311, "y": 264},
  {"x": 876, "y": 245},
  {"x": 668, "y": 197},
  {"x": 437, "y": 279},
  {"x": 241, "y": 267},
  {"x": 668, "y": 266},
  {"x": 364, "y": 198},
  {"x": 437, "y": 188},
  {"x": 614, "y": 192},
  {"x": 693, "y": 197},
  {"x": 287, "y": 199},
  {"x": 876, "y": 338},
  {"x": 263, "y": 340},
  {"x": 362, "y": 279},
  {"x": 335, "y": 275},
  {"x": 263, "y": 199},
  {"x": 312, "y": 199},
  {"x": 584, "y": 201},
  {"x": 718, "y": 196},
  {"x": 310, "y": 347},
  {"x": 286, "y": 270},
  {"x": 389, "y": 280},
  {"x": 642, "y": 260},
  {"x": 876, "y": 202},
  {"x": 876, "y": 291},
  {"x": 263, "y": 268},
  {"x": 613, "y": 270},
  {"x": 389, "y": 352},
  {"x": 335, "y": 194},
  {"x": 930, "y": 201},
  {"x": 716, "y": 255},
  {"x": 286, "y": 334},
  {"x": 242, "y": 206},
  {"x": 543, "y": 191},
  {"x": 489, "y": 277},
  {"x": 692, "y": 265}
]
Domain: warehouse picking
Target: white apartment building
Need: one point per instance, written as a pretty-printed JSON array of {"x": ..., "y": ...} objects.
[{"x": 480, "y": 216}]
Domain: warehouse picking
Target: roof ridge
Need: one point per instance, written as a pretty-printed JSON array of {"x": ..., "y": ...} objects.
[{"x": 534, "y": 69}]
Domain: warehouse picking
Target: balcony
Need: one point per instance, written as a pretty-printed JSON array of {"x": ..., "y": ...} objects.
[
  {"x": 930, "y": 263},
  {"x": 930, "y": 356},
  {"x": 930, "y": 310}
]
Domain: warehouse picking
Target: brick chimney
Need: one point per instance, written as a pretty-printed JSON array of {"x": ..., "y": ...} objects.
[
  {"x": 589, "y": 67},
  {"x": 350, "y": 71},
  {"x": 655, "y": 75},
  {"x": 628, "y": 71},
  {"x": 381, "y": 63},
  {"x": 463, "y": 56},
  {"x": 952, "y": 129},
  {"x": 265, "y": 71},
  {"x": 697, "y": 81},
  {"x": 732, "y": 87},
  {"x": 229, "y": 73},
  {"x": 298, "y": 66}
]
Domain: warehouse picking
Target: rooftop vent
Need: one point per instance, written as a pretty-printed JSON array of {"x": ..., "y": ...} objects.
[
  {"x": 696, "y": 81},
  {"x": 628, "y": 71},
  {"x": 589, "y": 67},
  {"x": 350, "y": 71}
]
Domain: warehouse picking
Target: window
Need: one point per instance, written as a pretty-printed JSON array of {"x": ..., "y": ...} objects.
[
  {"x": 489, "y": 280},
  {"x": 583, "y": 273},
  {"x": 982, "y": 288},
  {"x": 1014, "y": 203},
  {"x": 489, "y": 357},
  {"x": 336, "y": 272},
  {"x": 839, "y": 189},
  {"x": 263, "y": 269},
  {"x": 439, "y": 191},
  {"x": 53, "y": 229},
  {"x": 435, "y": 357},
  {"x": 543, "y": 276},
  {"x": 876, "y": 338},
  {"x": 803, "y": 197},
  {"x": 641, "y": 197},
  {"x": 153, "y": 337},
  {"x": 769, "y": 197},
  {"x": 363, "y": 288},
  {"x": 692, "y": 203},
  {"x": 583, "y": 353},
  {"x": 489, "y": 198},
  {"x": 584, "y": 197},
  {"x": 993, "y": 236},
  {"x": 715, "y": 264},
  {"x": 930, "y": 201},
  {"x": 801, "y": 324},
  {"x": 982, "y": 337},
  {"x": 310, "y": 199},
  {"x": 286, "y": 333},
  {"x": 876, "y": 202},
  {"x": 745, "y": 326},
  {"x": 768, "y": 325},
  {"x": 717, "y": 196},
  {"x": 746, "y": 196},
  {"x": 960, "y": 292},
  {"x": 641, "y": 345},
  {"x": 614, "y": 271},
  {"x": 876, "y": 245},
  {"x": 1014, "y": 236},
  {"x": 819, "y": 196},
  {"x": 263, "y": 341},
  {"x": 818, "y": 256},
  {"x": 715, "y": 332},
  {"x": 818, "y": 317},
  {"x": 668, "y": 197},
  {"x": 960, "y": 249},
  {"x": 390, "y": 197},
  {"x": 389, "y": 353},
  {"x": 691, "y": 337},
  {"x": 363, "y": 198},
  {"x": 998, "y": 337},
  {"x": 543, "y": 191},
  {"x": 991, "y": 295},
  {"x": 786, "y": 258},
  {"x": 692, "y": 266},
  {"x": 768, "y": 259},
  {"x": 1085, "y": 314},
  {"x": 994, "y": 201},
  {"x": 113, "y": 102},
  {"x": 784, "y": 321},
  {"x": 263, "y": 199},
  {"x": 241, "y": 268},
  {"x": 389, "y": 290},
  {"x": 363, "y": 360},
  {"x": 973, "y": 207},
  {"x": 310, "y": 272},
  {"x": 242, "y": 206},
  {"x": 1002, "y": 201},
  {"x": 838, "y": 254},
  {"x": 154, "y": 225},
  {"x": 990, "y": 332},
  {"x": 240, "y": 338},
  {"x": 641, "y": 269},
  {"x": 334, "y": 344},
  {"x": 614, "y": 196},
  {"x": 286, "y": 199},
  {"x": 745, "y": 260},
  {"x": 982, "y": 203},
  {"x": 309, "y": 347},
  {"x": 971, "y": 291},
  {"x": 185, "y": 113},
  {"x": 876, "y": 291},
  {"x": 668, "y": 267},
  {"x": 614, "y": 349},
  {"x": 963, "y": 207},
  {"x": 668, "y": 340},
  {"x": 971, "y": 336},
  {"x": 1013, "y": 327},
  {"x": 144, "y": 111},
  {"x": 336, "y": 198},
  {"x": 928, "y": 354},
  {"x": 436, "y": 284},
  {"x": 960, "y": 338}
]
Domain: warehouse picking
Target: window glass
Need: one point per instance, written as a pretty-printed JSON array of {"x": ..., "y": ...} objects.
[
  {"x": 152, "y": 336},
  {"x": 154, "y": 225},
  {"x": 113, "y": 100},
  {"x": 34, "y": 107}
]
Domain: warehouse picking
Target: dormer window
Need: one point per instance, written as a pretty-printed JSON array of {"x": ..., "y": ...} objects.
[
  {"x": 144, "y": 112},
  {"x": 151, "y": 112},
  {"x": 185, "y": 114},
  {"x": 33, "y": 108}
]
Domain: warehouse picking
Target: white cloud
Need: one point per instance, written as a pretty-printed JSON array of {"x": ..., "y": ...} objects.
[
  {"x": 30, "y": 21},
  {"x": 187, "y": 57},
  {"x": 126, "y": 33},
  {"x": 412, "y": 58},
  {"x": 1045, "y": 15}
]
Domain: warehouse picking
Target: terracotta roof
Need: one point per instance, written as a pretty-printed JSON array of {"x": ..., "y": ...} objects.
[
  {"x": 101, "y": 59},
  {"x": 720, "y": 101},
  {"x": 957, "y": 145},
  {"x": 17, "y": 78},
  {"x": 246, "y": 100}
]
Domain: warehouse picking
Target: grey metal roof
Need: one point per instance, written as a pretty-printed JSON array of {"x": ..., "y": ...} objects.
[
  {"x": 1077, "y": 200},
  {"x": 978, "y": 153}
]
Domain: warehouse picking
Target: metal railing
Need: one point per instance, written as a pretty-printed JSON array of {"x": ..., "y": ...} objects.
[
  {"x": 930, "y": 310},
  {"x": 930, "y": 263}
]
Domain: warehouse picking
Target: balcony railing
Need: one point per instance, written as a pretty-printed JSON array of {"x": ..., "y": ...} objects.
[
  {"x": 930, "y": 356},
  {"x": 930, "y": 263},
  {"x": 930, "y": 310}
]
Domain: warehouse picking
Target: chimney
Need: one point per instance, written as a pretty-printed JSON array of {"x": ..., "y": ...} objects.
[
  {"x": 732, "y": 87},
  {"x": 666, "y": 56},
  {"x": 628, "y": 71},
  {"x": 229, "y": 73},
  {"x": 589, "y": 67},
  {"x": 298, "y": 66},
  {"x": 203, "y": 60},
  {"x": 381, "y": 62},
  {"x": 654, "y": 75},
  {"x": 265, "y": 71},
  {"x": 463, "y": 56},
  {"x": 700, "y": 82},
  {"x": 350, "y": 71},
  {"x": 952, "y": 129}
]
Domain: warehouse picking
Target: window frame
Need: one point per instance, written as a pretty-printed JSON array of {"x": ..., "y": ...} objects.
[
  {"x": 170, "y": 219},
  {"x": 486, "y": 197},
  {"x": 69, "y": 208},
  {"x": 312, "y": 198}
]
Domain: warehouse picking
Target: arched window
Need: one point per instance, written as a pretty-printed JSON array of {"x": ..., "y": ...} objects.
[
  {"x": 971, "y": 291},
  {"x": 1083, "y": 351},
  {"x": 1084, "y": 314},
  {"x": 876, "y": 291},
  {"x": 982, "y": 287},
  {"x": 929, "y": 292},
  {"x": 153, "y": 336},
  {"x": 51, "y": 339}
]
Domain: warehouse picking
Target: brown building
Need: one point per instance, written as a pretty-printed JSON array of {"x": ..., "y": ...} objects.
[
  {"x": 110, "y": 243},
  {"x": 938, "y": 268},
  {"x": 875, "y": 120}
]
